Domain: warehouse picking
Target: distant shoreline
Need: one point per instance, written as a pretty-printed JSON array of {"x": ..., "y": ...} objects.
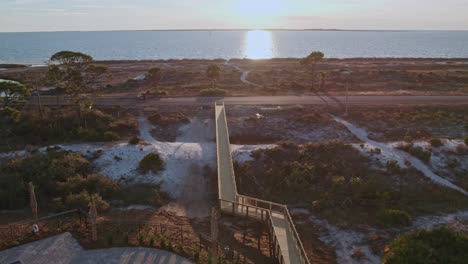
[
  {"x": 16, "y": 65},
  {"x": 230, "y": 30}
]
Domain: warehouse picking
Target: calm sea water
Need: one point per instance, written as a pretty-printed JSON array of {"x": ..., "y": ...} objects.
[{"x": 116, "y": 45}]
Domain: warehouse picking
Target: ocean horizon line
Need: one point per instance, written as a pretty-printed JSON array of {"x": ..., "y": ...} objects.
[{"x": 246, "y": 29}]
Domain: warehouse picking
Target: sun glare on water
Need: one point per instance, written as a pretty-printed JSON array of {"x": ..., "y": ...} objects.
[{"x": 258, "y": 45}]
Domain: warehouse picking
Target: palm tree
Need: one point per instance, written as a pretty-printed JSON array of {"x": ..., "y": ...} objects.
[
  {"x": 213, "y": 72},
  {"x": 313, "y": 58}
]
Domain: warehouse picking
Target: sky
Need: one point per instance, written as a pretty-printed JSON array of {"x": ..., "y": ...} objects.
[{"x": 89, "y": 15}]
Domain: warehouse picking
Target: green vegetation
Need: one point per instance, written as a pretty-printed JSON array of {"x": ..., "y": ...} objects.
[
  {"x": 152, "y": 162},
  {"x": 387, "y": 123},
  {"x": 418, "y": 152},
  {"x": 435, "y": 142},
  {"x": 74, "y": 72},
  {"x": 63, "y": 180},
  {"x": 435, "y": 246},
  {"x": 111, "y": 136},
  {"x": 213, "y": 72},
  {"x": 394, "y": 218},
  {"x": 51, "y": 126},
  {"x": 342, "y": 190},
  {"x": 154, "y": 77},
  {"x": 13, "y": 93},
  {"x": 466, "y": 141},
  {"x": 66, "y": 180},
  {"x": 213, "y": 92},
  {"x": 312, "y": 59},
  {"x": 134, "y": 140}
]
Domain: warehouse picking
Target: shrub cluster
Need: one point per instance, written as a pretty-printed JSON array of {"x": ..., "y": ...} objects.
[
  {"x": 434, "y": 246},
  {"x": 213, "y": 92},
  {"x": 394, "y": 218},
  {"x": 418, "y": 152},
  {"x": 435, "y": 142},
  {"x": 134, "y": 140},
  {"x": 62, "y": 178},
  {"x": 64, "y": 124},
  {"x": 151, "y": 162}
]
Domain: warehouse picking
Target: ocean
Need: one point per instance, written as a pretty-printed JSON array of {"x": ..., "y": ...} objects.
[{"x": 141, "y": 45}]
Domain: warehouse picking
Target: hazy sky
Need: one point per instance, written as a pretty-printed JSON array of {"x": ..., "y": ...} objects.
[{"x": 57, "y": 15}]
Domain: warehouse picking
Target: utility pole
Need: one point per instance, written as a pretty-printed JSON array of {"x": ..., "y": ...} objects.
[
  {"x": 347, "y": 98},
  {"x": 38, "y": 94}
]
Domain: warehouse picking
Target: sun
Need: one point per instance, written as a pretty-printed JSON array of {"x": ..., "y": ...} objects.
[{"x": 259, "y": 8}]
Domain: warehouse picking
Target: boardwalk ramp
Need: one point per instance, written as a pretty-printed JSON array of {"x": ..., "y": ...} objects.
[{"x": 286, "y": 244}]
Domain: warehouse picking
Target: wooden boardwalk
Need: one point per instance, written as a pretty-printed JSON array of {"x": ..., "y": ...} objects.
[{"x": 287, "y": 247}]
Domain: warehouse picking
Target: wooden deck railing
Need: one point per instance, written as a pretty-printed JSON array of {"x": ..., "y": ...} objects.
[{"x": 253, "y": 207}]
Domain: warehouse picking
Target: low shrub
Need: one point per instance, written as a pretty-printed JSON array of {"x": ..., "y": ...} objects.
[
  {"x": 87, "y": 134},
  {"x": 134, "y": 140},
  {"x": 439, "y": 245},
  {"x": 82, "y": 200},
  {"x": 168, "y": 119},
  {"x": 97, "y": 154},
  {"x": 466, "y": 141},
  {"x": 376, "y": 151},
  {"x": 151, "y": 162},
  {"x": 124, "y": 125},
  {"x": 392, "y": 166},
  {"x": 109, "y": 239},
  {"x": 394, "y": 218},
  {"x": 213, "y": 92},
  {"x": 111, "y": 136},
  {"x": 418, "y": 152},
  {"x": 408, "y": 139},
  {"x": 435, "y": 142}
]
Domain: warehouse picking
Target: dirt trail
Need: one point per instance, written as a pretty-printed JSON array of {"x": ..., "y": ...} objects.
[
  {"x": 398, "y": 155},
  {"x": 190, "y": 186},
  {"x": 244, "y": 74}
]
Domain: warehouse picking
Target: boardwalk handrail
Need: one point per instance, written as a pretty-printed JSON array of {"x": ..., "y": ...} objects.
[
  {"x": 243, "y": 202},
  {"x": 299, "y": 244},
  {"x": 231, "y": 165},
  {"x": 287, "y": 215},
  {"x": 259, "y": 202}
]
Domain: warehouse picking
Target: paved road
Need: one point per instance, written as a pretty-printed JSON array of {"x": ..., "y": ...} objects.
[{"x": 266, "y": 100}]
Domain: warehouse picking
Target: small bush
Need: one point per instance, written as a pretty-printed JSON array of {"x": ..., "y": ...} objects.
[
  {"x": 376, "y": 151},
  {"x": 169, "y": 246},
  {"x": 418, "y": 152},
  {"x": 151, "y": 162},
  {"x": 408, "y": 139},
  {"x": 435, "y": 246},
  {"x": 435, "y": 142},
  {"x": 111, "y": 136},
  {"x": 392, "y": 218},
  {"x": 109, "y": 239},
  {"x": 196, "y": 255},
  {"x": 87, "y": 134},
  {"x": 134, "y": 140},
  {"x": 392, "y": 166},
  {"x": 213, "y": 92},
  {"x": 82, "y": 200},
  {"x": 466, "y": 141},
  {"x": 97, "y": 154}
]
